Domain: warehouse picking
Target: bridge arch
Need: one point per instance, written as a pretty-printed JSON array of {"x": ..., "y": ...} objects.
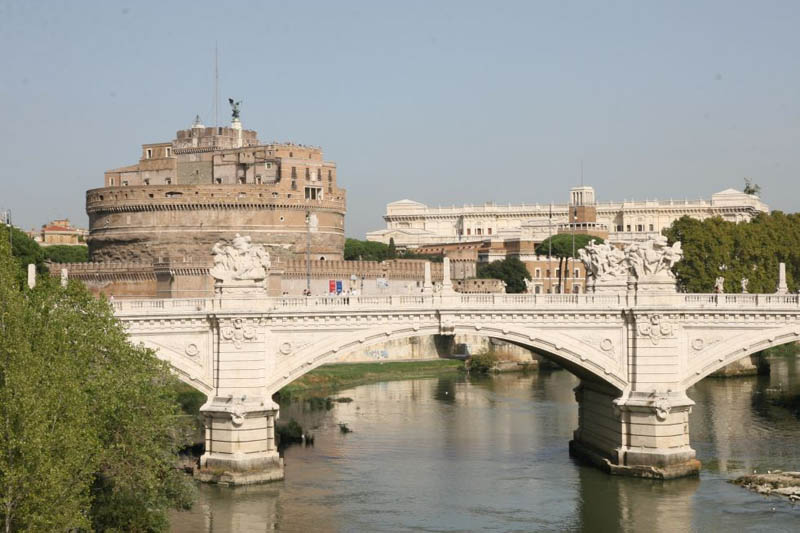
[
  {"x": 180, "y": 368},
  {"x": 581, "y": 359},
  {"x": 721, "y": 354}
]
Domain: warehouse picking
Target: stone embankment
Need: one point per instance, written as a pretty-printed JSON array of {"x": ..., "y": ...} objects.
[{"x": 773, "y": 482}]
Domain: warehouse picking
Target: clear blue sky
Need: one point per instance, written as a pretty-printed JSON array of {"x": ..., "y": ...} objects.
[{"x": 440, "y": 102}]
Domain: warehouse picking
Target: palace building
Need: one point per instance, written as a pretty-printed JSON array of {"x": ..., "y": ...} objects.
[
  {"x": 413, "y": 225},
  {"x": 207, "y": 185}
]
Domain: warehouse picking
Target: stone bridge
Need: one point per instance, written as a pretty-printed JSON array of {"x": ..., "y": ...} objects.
[{"x": 635, "y": 353}]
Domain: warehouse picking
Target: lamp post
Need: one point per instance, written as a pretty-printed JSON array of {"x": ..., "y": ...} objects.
[{"x": 308, "y": 251}]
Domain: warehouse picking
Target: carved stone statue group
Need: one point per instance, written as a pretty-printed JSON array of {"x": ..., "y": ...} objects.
[
  {"x": 240, "y": 260},
  {"x": 648, "y": 261}
]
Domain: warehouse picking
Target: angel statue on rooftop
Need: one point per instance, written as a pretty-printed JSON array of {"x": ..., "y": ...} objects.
[{"x": 234, "y": 108}]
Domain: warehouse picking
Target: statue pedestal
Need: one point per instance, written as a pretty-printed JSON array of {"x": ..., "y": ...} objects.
[
  {"x": 250, "y": 288},
  {"x": 610, "y": 286},
  {"x": 657, "y": 284}
]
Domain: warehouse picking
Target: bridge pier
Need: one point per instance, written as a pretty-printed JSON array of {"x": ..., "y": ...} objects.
[
  {"x": 240, "y": 441},
  {"x": 638, "y": 434}
]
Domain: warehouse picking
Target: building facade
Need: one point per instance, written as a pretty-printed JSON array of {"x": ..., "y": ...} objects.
[
  {"x": 412, "y": 224},
  {"x": 207, "y": 185},
  {"x": 59, "y": 231}
]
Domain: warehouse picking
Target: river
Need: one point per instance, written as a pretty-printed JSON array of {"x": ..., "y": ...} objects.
[{"x": 459, "y": 454}]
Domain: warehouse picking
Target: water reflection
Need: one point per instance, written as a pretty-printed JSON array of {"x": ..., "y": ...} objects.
[{"x": 453, "y": 454}]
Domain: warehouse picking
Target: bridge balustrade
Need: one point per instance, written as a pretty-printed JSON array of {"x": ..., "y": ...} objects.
[{"x": 267, "y": 304}]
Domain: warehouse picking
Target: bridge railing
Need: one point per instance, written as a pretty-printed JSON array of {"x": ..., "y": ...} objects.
[{"x": 615, "y": 301}]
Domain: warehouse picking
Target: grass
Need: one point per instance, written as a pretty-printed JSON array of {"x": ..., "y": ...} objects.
[{"x": 329, "y": 378}]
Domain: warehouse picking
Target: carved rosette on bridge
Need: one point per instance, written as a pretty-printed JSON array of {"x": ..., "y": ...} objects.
[
  {"x": 240, "y": 268},
  {"x": 646, "y": 265}
]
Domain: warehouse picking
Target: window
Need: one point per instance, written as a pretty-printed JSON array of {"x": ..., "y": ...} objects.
[
  {"x": 308, "y": 174},
  {"x": 639, "y": 227},
  {"x": 330, "y": 175},
  {"x": 242, "y": 179},
  {"x": 548, "y": 272},
  {"x": 291, "y": 154},
  {"x": 268, "y": 165},
  {"x": 576, "y": 289},
  {"x": 147, "y": 182},
  {"x": 169, "y": 152},
  {"x": 538, "y": 289},
  {"x": 652, "y": 228},
  {"x": 488, "y": 231},
  {"x": 577, "y": 273},
  {"x": 218, "y": 180},
  {"x": 294, "y": 173},
  {"x": 619, "y": 227},
  {"x": 628, "y": 228},
  {"x": 168, "y": 181},
  {"x": 558, "y": 272},
  {"x": 479, "y": 231},
  {"x": 313, "y": 193},
  {"x": 468, "y": 231},
  {"x": 258, "y": 179},
  {"x": 538, "y": 273},
  {"x": 125, "y": 183},
  {"x": 149, "y": 153}
]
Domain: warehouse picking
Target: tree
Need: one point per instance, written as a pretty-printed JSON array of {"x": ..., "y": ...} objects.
[
  {"x": 392, "y": 251},
  {"x": 64, "y": 253},
  {"x": 24, "y": 249},
  {"x": 511, "y": 270},
  {"x": 87, "y": 421},
  {"x": 356, "y": 250},
  {"x": 717, "y": 248},
  {"x": 561, "y": 246}
]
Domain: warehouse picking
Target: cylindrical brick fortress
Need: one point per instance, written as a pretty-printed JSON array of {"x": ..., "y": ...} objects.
[{"x": 148, "y": 223}]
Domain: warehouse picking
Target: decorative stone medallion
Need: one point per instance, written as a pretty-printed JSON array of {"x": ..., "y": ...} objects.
[
  {"x": 655, "y": 328},
  {"x": 239, "y": 332}
]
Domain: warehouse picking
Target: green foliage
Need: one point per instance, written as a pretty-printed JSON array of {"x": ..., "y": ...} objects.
[
  {"x": 87, "y": 436},
  {"x": 752, "y": 250},
  {"x": 64, "y": 253},
  {"x": 511, "y": 270},
  {"x": 24, "y": 249},
  {"x": 355, "y": 250},
  {"x": 433, "y": 258},
  {"x": 482, "y": 362},
  {"x": 561, "y": 244}
]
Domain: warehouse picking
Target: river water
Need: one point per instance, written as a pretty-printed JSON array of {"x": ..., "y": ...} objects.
[{"x": 459, "y": 454}]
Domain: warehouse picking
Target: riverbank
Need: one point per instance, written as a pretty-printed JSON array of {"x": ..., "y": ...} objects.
[{"x": 329, "y": 378}]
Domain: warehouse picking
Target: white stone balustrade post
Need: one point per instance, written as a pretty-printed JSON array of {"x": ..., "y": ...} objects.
[
  {"x": 31, "y": 276},
  {"x": 427, "y": 285},
  {"x": 783, "y": 288}
]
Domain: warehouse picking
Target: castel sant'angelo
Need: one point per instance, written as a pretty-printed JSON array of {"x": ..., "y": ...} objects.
[
  {"x": 154, "y": 225},
  {"x": 207, "y": 185}
]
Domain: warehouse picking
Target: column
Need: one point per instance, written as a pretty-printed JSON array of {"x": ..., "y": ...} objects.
[
  {"x": 640, "y": 435},
  {"x": 240, "y": 416}
]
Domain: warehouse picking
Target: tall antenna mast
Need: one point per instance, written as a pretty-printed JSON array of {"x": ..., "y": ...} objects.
[
  {"x": 581, "y": 172},
  {"x": 216, "y": 86}
]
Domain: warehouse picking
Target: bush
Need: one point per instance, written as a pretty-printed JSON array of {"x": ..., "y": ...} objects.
[{"x": 482, "y": 362}]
